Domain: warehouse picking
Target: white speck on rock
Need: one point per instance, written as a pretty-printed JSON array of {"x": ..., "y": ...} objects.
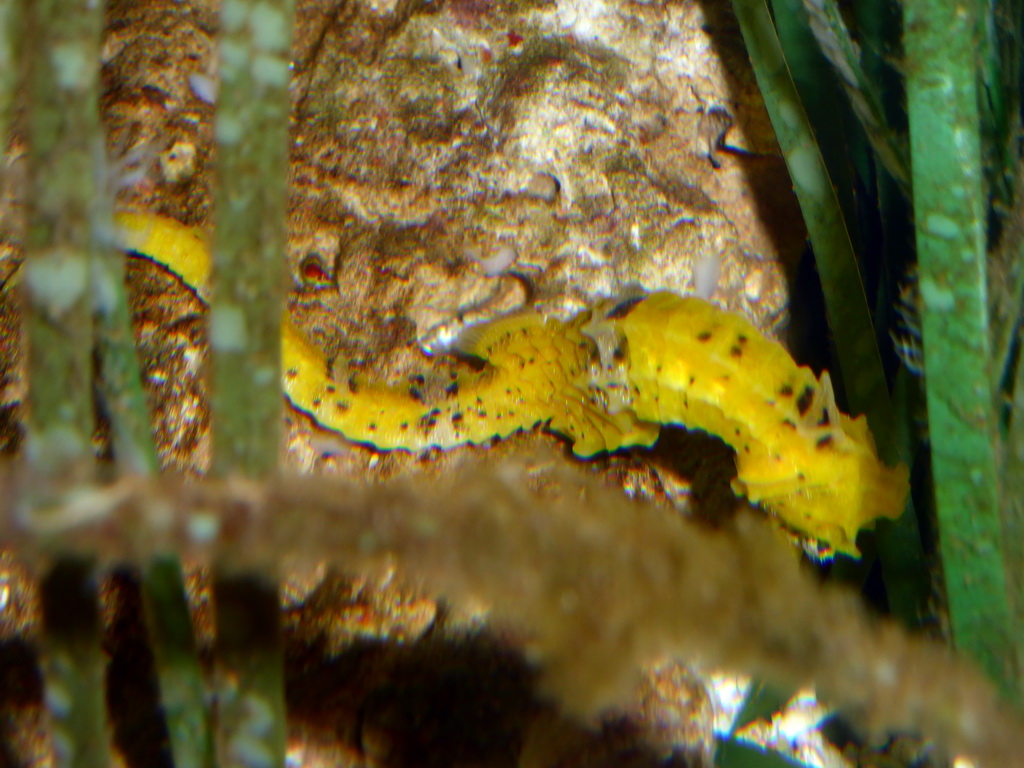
[
  {"x": 503, "y": 257},
  {"x": 706, "y": 274}
]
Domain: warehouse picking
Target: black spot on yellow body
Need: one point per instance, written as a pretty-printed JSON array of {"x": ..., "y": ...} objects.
[
  {"x": 704, "y": 336},
  {"x": 803, "y": 403},
  {"x": 736, "y": 351},
  {"x": 786, "y": 391},
  {"x": 824, "y": 441}
]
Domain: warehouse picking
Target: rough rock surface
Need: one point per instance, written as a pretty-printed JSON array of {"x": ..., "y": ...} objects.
[{"x": 450, "y": 161}]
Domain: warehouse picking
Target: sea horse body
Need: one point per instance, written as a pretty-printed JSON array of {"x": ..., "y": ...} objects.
[
  {"x": 684, "y": 361},
  {"x": 536, "y": 373},
  {"x": 606, "y": 379}
]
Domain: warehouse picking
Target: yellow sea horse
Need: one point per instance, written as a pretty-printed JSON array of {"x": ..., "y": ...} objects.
[{"x": 606, "y": 379}]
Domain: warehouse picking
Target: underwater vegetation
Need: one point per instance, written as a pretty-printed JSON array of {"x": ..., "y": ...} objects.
[{"x": 505, "y": 174}]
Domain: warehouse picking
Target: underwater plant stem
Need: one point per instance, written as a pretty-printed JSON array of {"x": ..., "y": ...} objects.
[
  {"x": 1009, "y": 260},
  {"x": 1013, "y": 512},
  {"x": 849, "y": 315},
  {"x": 58, "y": 50},
  {"x": 250, "y": 672},
  {"x": 183, "y": 694},
  {"x": 823, "y": 102},
  {"x": 8, "y": 72},
  {"x": 904, "y": 570},
  {"x": 73, "y": 664},
  {"x": 251, "y": 129},
  {"x": 828, "y": 27},
  {"x": 124, "y": 399},
  {"x": 59, "y": 44},
  {"x": 1006, "y": 286},
  {"x": 949, "y": 208}
]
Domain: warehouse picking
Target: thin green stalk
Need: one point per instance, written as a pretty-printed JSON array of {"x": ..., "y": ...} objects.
[
  {"x": 250, "y": 686},
  {"x": 183, "y": 694},
  {"x": 73, "y": 665},
  {"x": 903, "y": 566},
  {"x": 818, "y": 91},
  {"x": 949, "y": 207},
  {"x": 182, "y": 690},
  {"x": 245, "y": 337},
  {"x": 830, "y": 30},
  {"x": 743, "y": 754},
  {"x": 1001, "y": 71},
  {"x": 878, "y": 27},
  {"x": 250, "y": 237},
  {"x": 60, "y": 43},
  {"x": 998, "y": 55},
  {"x": 124, "y": 399},
  {"x": 8, "y": 72},
  {"x": 1013, "y": 514},
  {"x": 1006, "y": 289},
  {"x": 762, "y": 702}
]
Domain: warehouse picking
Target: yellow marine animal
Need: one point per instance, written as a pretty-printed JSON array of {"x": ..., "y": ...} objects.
[{"x": 606, "y": 379}]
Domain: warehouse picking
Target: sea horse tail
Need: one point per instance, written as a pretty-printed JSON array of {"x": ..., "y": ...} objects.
[{"x": 534, "y": 373}]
